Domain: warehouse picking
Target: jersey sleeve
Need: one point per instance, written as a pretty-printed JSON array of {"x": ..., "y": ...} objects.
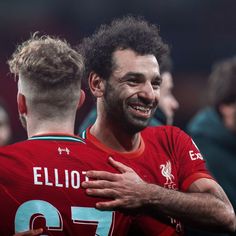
[{"x": 191, "y": 163}]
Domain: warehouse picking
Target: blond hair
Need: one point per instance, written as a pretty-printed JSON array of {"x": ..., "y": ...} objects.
[{"x": 50, "y": 73}]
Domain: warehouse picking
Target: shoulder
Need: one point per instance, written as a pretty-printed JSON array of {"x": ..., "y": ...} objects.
[
  {"x": 165, "y": 135},
  {"x": 160, "y": 131},
  {"x": 12, "y": 147},
  {"x": 12, "y": 158}
]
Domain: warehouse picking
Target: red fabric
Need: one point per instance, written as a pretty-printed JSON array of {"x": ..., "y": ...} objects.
[
  {"x": 40, "y": 177},
  {"x": 170, "y": 159}
]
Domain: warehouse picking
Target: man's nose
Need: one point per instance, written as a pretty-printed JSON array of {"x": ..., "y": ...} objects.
[{"x": 148, "y": 92}]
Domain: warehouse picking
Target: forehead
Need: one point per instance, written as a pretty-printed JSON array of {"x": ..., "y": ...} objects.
[{"x": 129, "y": 61}]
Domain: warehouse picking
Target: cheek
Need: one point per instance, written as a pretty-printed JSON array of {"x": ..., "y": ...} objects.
[{"x": 127, "y": 93}]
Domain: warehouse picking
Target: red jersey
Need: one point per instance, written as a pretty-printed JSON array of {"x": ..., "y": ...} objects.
[
  {"x": 40, "y": 186},
  {"x": 168, "y": 157}
]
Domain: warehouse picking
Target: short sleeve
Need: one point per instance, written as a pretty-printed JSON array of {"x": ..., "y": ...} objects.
[{"x": 192, "y": 166}]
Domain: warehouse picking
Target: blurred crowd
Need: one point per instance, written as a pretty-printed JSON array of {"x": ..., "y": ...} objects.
[{"x": 5, "y": 126}]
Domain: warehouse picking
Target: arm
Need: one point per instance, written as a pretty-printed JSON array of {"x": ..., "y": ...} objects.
[{"x": 205, "y": 205}]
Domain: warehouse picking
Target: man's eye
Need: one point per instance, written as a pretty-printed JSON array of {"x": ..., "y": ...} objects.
[
  {"x": 156, "y": 85},
  {"x": 133, "y": 81}
]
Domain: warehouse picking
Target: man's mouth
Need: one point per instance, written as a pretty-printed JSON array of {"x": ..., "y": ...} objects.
[{"x": 141, "y": 110}]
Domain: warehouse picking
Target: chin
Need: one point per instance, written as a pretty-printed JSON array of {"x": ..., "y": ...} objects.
[
  {"x": 133, "y": 124},
  {"x": 136, "y": 127}
]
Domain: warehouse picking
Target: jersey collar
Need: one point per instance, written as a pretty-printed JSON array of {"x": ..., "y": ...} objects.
[
  {"x": 133, "y": 154},
  {"x": 58, "y": 137}
]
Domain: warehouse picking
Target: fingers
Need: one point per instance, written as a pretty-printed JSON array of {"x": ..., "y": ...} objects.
[
  {"x": 32, "y": 232},
  {"x": 105, "y": 175},
  {"x": 104, "y": 193},
  {"x": 110, "y": 205},
  {"x": 97, "y": 184},
  {"x": 118, "y": 165},
  {"x": 95, "y": 174}
]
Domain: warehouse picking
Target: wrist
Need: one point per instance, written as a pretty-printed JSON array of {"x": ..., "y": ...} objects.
[{"x": 151, "y": 195}]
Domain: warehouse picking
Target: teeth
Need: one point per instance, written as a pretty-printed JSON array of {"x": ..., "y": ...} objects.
[{"x": 140, "y": 108}]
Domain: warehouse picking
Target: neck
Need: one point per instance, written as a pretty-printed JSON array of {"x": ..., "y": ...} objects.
[
  {"x": 113, "y": 136},
  {"x": 36, "y": 127}
]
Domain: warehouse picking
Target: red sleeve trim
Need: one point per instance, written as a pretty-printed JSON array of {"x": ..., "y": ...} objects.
[{"x": 187, "y": 182}]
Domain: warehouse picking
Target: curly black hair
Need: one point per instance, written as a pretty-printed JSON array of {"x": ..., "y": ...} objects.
[{"x": 123, "y": 33}]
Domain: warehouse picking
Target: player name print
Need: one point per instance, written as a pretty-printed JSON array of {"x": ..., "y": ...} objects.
[{"x": 58, "y": 178}]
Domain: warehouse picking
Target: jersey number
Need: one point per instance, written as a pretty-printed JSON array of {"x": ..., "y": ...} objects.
[{"x": 39, "y": 208}]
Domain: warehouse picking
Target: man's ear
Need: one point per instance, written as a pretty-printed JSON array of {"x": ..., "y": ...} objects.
[
  {"x": 81, "y": 99},
  {"x": 96, "y": 84},
  {"x": 21, "y": 103}
]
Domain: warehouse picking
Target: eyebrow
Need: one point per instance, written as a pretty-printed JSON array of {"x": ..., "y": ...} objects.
[{"x": 136, "y": 74}]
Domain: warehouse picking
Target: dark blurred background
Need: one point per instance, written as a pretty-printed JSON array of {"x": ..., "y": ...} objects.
[{"x": 199, "y": 32}]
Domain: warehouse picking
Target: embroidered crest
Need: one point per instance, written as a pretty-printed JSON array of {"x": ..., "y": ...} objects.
[
  {"x": 166, "y": 172},
  {"x": 170, "y": 184}
]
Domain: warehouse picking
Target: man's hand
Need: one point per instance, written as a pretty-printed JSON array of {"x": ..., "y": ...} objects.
[
  {"x": 210, "y": 207},
  {"x": 32, "y": 232},
  {"x": 127, "y": 188}
]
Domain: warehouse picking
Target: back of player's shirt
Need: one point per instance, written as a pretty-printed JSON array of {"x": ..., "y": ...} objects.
[{"x": 40, "y": 186}]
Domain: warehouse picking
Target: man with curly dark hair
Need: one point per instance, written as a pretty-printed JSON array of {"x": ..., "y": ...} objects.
[
  {"x": 162, "y": 173},
  {"x": 167, "y": 105}
]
